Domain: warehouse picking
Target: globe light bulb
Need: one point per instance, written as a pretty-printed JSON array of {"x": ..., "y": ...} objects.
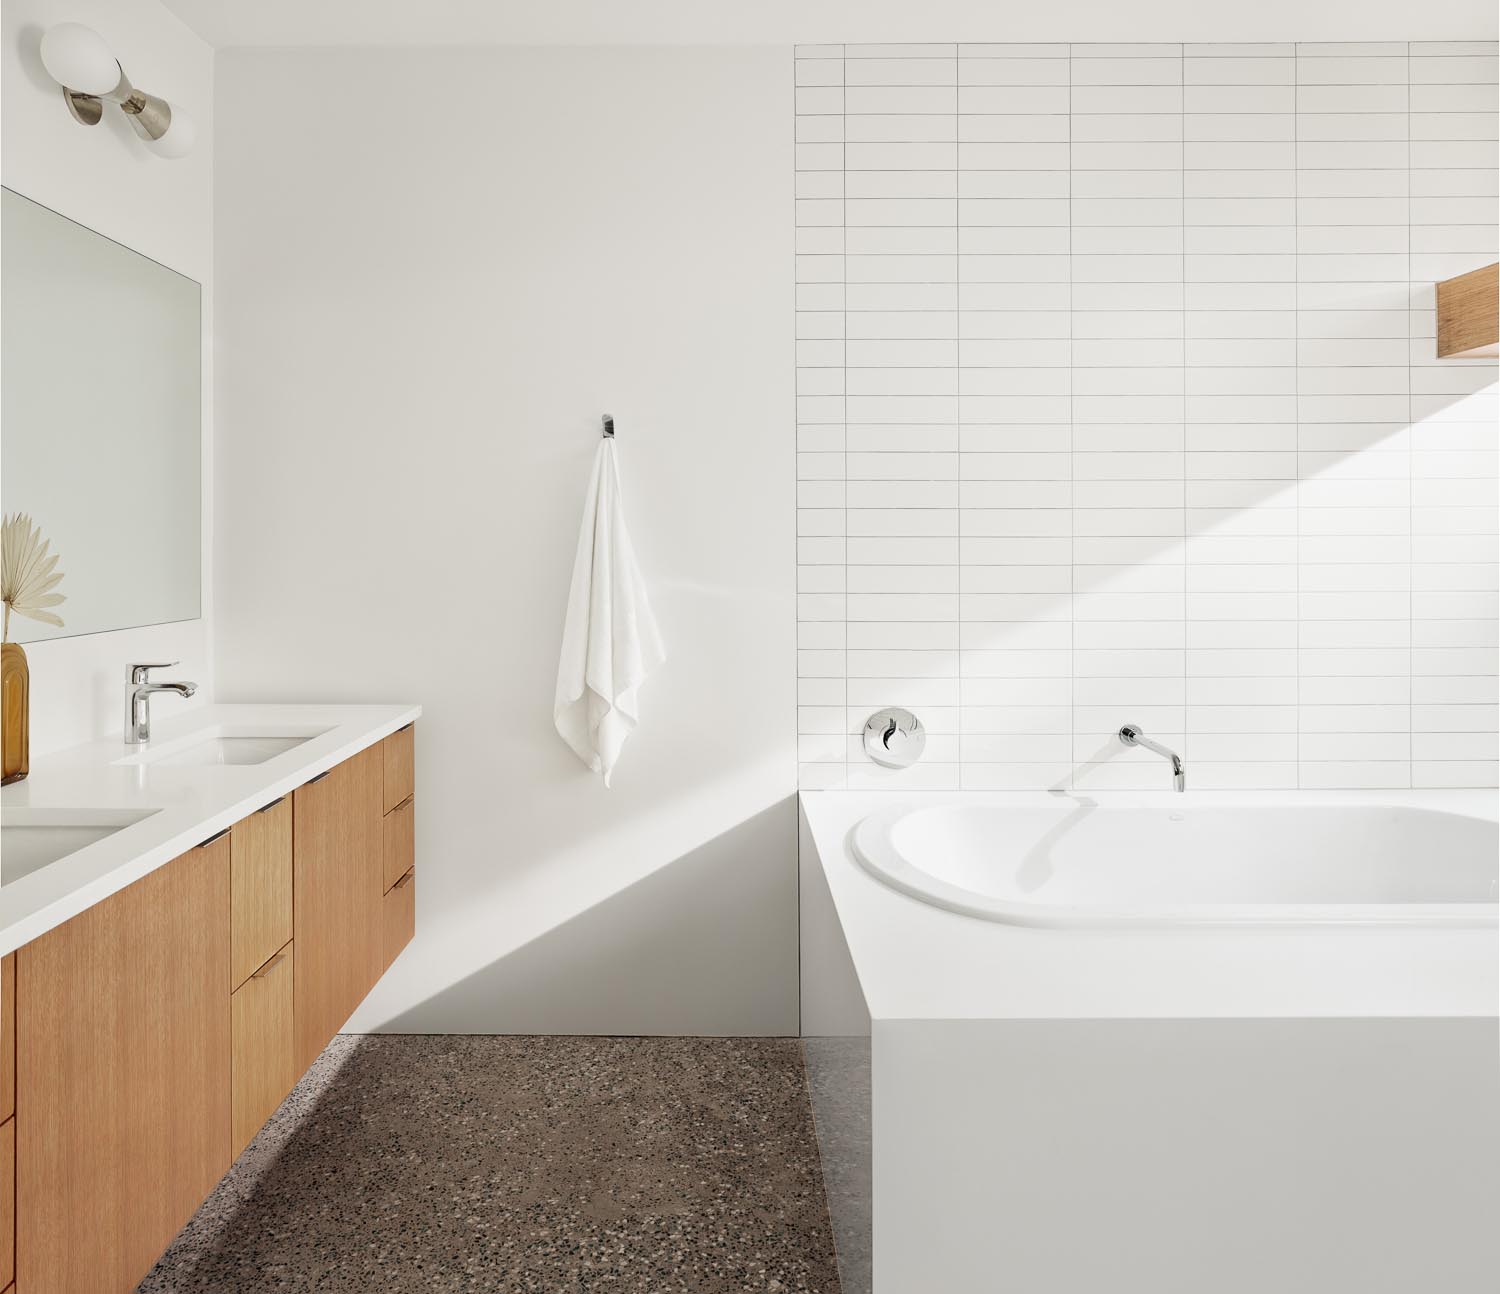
[{"x": 76, "y": 56}]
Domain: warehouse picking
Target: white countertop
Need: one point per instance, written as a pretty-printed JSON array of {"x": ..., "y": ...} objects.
[
  {"x": 918, "y": 961},
  {"x": 187, "y": 803}
]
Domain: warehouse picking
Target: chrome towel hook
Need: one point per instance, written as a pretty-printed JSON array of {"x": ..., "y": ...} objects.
[{"x": 609, "y": 427}]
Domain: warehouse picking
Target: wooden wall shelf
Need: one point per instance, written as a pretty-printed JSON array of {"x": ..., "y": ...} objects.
[{"x": 1468, "y": 315}]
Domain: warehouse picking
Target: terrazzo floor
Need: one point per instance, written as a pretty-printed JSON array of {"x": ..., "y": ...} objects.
[{"x": 560, "y": 1165}]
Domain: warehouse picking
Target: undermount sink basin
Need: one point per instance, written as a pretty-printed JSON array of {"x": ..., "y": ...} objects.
[
  {"x": 32, "y": 838},
  {"x": 232, "y": 750},
  {"x": 222, "y": 745}
]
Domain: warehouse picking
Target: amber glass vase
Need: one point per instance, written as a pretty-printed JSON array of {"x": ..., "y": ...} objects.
[{"x": 15, "y": 713}]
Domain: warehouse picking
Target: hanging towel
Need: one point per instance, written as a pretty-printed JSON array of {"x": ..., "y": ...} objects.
[{"x": 610, "y": 641}]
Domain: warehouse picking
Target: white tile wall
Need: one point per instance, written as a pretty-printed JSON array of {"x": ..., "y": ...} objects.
[{"x": 1117, "y": 402}]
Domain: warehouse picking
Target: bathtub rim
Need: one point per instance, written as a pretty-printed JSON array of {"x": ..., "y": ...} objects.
[{"x": 918, "y": 961}]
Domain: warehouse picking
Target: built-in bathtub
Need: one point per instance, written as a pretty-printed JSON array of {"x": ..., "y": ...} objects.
[
  {"x": 1155, "y": 1042},
  {"x": 1074, "y": 860}
]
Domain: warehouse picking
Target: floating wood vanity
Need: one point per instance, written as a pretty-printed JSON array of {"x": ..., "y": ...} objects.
[{"x": 149, "y": 1037}]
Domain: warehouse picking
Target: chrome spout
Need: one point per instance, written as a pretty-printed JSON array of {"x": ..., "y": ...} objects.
[
  {"x": 138, "y": 693},
  {"x": 1131, "y": 735}
]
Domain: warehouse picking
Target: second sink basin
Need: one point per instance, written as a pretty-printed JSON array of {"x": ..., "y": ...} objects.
[
  {"x": 223, "y": 745},
  {"x": 32, "y": 838}
]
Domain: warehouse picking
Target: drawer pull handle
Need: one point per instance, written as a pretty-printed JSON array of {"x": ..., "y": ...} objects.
[
  {"x": 218, "y": 835},
  {"x": 266, "y": 808},
  {"x": 319, "y": 777},
  {"x": 405, "y": 880},
  {"x": 269, "y": 966}
]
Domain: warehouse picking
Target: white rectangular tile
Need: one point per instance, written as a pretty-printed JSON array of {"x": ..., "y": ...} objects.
[
  {"x": 997, "y": 99},
  {"x": 1203, "y": 431}
]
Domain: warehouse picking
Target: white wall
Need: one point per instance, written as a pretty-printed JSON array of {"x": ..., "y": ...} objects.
[
  {"x": 1118, "y": 402},
  {"x": 691, "y": 22},
  {"x": 103, "y": 178},
  {"x": 436, "y": 270}
]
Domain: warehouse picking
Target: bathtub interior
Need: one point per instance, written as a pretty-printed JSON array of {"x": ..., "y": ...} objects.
[{"x": 1082, "y": 854}]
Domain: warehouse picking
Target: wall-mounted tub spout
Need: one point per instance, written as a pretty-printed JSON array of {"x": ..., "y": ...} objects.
[{"x": 1132, "y": 735}]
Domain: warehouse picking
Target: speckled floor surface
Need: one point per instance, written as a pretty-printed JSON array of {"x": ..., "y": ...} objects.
[{"x": 555, "y": 1165}]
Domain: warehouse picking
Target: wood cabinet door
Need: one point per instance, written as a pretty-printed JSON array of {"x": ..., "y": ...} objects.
[
  {"x": 7, "y": 1200},
  {"x": 265, "y": 1065},
  {"x": 7, "y": 1035},
  {"x": 337, "y": 883},
  {"x": 260, "y": 884},
  {"x": 123, "y": 1077}
]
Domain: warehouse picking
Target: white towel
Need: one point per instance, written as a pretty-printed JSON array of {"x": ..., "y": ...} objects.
[{"x": 610, "y": 641}]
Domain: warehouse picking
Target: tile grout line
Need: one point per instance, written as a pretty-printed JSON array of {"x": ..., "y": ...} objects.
[
  {"x": 844, "y": 385},
  {"x": 797, "y": 581},
  {"x": 1297, "y": 402},
  {"x": 1072, "y": 762},
  {"x": 1182, "y": 355},
  {"x": 1411, "y": 438}
]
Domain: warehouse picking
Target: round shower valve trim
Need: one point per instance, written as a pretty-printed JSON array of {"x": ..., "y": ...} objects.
[{"x": 894, "y": 737}]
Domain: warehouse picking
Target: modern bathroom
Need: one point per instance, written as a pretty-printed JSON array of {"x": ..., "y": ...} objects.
[{"x": 821, "y": 647}]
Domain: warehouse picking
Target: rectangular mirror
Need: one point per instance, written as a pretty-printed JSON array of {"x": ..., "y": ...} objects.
[{"x": 100, "y": 416}]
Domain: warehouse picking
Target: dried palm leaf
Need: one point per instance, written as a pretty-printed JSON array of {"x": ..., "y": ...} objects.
[{"x": 28, "y": 573}]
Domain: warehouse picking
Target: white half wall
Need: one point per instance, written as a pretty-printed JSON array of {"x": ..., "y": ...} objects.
[
  {"x": 438, "y": 269},
  {"x": 836, "y": 1052},
  {"x": 103, "y": 178},
  {"x": 1176, "y": 1156}
]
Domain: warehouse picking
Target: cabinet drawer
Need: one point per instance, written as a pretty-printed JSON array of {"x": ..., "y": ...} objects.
[
  {"x": 260, "y": 872},
  {"x": 400, "y": 917},
  {"x": 264, "y": 1067},
  {"x": 400, "y": 842},
  {"x": 398, "y": 753}
]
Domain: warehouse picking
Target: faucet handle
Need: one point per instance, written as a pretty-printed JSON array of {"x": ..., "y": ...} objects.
[{"x": 138, "y": 673}]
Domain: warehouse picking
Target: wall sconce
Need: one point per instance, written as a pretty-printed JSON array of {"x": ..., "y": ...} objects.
[{"x": 77, "y": 58}]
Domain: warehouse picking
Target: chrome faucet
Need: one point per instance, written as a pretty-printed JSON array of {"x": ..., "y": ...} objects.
[
  {"x": 1131, "y": 735},
  {"x": 138, "y": 699}
]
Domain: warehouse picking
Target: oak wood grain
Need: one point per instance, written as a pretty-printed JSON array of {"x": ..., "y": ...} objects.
[
  {"x": 400, "y": 841},
  {"x": 399, "y": 751},
  {"x": 399, "y": 918},
  {"x": 123, "y": 1077},
  {"x": 260, "y": 871},
  {"x": 7, "y": 1035},
  {"x": 1468, "y": 314},
  {"x": 265, "y": 1061},
  {"x": 337, "y": 869},
  {"x": 8, "y": 1200}
]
